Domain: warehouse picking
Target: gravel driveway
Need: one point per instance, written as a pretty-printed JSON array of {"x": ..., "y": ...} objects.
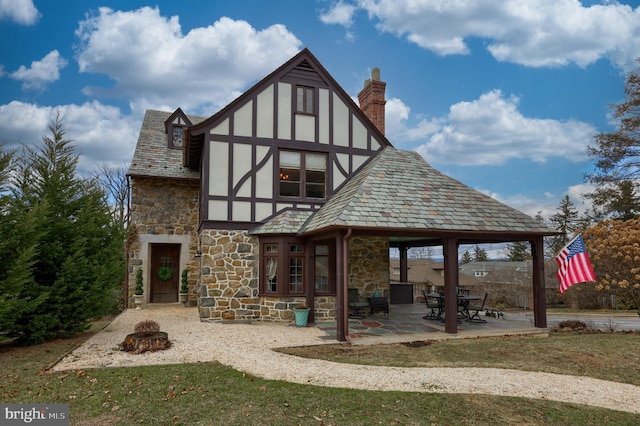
[{"x": 248, "y": 348}]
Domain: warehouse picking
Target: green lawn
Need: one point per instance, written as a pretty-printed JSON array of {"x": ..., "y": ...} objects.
[{"x": 209, "y": 393}]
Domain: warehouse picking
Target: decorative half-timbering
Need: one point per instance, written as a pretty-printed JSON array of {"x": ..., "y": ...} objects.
[{"x": 288, "y": 142}]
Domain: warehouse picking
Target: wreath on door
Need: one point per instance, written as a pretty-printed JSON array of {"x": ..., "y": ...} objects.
[{"x": 165, "y": 273}]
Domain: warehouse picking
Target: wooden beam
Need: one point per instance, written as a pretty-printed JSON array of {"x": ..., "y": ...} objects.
[
  {"x": 450, "y": 251},
  {"x": 342, "y": 284},
  {"x": 404, "y": 263},
  {"x": 539, "y": 303}
]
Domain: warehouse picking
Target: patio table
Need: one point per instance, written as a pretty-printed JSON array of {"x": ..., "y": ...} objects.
[{"x": 463, "y": 303}]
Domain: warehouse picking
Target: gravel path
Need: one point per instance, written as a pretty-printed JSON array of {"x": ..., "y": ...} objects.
[{"x": 248, "y": 348}]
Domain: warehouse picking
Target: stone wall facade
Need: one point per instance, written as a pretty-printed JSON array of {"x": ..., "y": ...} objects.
[
  {"x": 369, "y": 265},
  {"x": 229, "y": 277},
  {"x": 229, "y": 282},
  {"x": 223, "y": 282},
  {"x": 162, "y": 211}
]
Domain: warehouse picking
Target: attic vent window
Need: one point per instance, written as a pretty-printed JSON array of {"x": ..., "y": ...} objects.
[{"x": 305, "y": 100}]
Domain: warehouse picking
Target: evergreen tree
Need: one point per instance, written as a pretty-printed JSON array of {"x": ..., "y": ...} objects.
[
  {"x": 73, "y": 247},
  {"x": 15, "y": 251},
  {"x": 565, "y": 221},
  {"x": 518, "y": 251},
  {"x": 466, "y": 257},
  {"x": 623, "y": 203},
  {"x": 480, "y": 254},
  {"x": 617, "y": 156}
]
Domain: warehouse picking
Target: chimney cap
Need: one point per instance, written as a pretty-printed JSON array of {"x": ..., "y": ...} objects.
[{"x": 375, "y": 74}]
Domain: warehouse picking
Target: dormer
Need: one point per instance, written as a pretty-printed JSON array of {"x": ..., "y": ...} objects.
[{"x": 175, "y": 127}]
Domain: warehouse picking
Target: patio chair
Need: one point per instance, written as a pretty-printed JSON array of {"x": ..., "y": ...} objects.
[
  {"x": 357, "y": 306},
  {"x": 474, "y": 310},
  {"x": 435, "y": 306}
]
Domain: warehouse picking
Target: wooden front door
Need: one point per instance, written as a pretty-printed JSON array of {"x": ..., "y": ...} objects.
[{"x": 165, "y": 273}]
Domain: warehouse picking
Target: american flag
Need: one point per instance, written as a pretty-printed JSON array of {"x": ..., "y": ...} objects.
[{"x": 574, "y": 263}]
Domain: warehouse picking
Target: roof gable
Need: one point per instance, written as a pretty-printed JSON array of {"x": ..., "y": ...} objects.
[
  {"x": 303, "y": 67},
  {"x": 177, "y": 118}
]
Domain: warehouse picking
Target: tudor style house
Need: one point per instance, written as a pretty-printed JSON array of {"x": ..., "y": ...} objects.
[{"x": 288, "y": 196}]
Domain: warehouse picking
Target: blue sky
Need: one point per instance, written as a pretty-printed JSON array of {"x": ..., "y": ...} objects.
[{"x": 503, "y": 95}]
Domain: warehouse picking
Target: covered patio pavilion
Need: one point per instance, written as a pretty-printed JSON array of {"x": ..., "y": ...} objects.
[
  {"x": 397, "y": 195},
  {"x": 406, "y": 324}
]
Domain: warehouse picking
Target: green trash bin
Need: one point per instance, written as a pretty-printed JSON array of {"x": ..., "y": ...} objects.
[{"x": 302, "y": 316}]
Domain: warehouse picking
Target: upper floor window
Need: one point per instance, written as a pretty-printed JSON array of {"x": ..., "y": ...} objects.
[
  {"x": 305, "y": 100},
  {"x": 175, "y": 127},
  {"x": 177, "y": 137},
  {"x": 303, "y": 175}
]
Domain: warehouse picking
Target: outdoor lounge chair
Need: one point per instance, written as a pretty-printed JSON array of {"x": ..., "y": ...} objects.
[
  {"x": 357, "y": 306},
  {"x": 474, "y": 310}
]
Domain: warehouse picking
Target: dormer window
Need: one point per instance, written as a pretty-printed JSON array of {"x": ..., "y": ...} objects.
[
  {"x": 177, "y": 140},
  {"x": 175, "y": 126},
  {"x": 305, "y": 100}
]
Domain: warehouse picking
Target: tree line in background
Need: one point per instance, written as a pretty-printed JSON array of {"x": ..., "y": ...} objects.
[
  {"x": 611, "y": 229},
  {"x": 62, "y": 246}
]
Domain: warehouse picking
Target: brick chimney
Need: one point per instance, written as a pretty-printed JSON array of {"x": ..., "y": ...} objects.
[{"x": 371, "y": 99}]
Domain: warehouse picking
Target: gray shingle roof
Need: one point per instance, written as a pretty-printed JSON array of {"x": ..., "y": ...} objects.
[
  {"x": 398, "y": 190},
  {"x": 285, "y": 222},
  {"x": 152, "y": 156}
]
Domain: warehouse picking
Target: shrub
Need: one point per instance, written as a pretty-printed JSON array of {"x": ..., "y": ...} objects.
[
  {"x": 573, "y": 325},
  {"x": 185, "y": 281},
  {"x": 139, "y": 290}
]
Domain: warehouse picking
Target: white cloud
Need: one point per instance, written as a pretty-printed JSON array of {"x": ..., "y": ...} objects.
[
  {"x": 491, "y": 131},
  {"x": 41, "y": 72},
  {"x": 397, "y": 115},
  {"x": 100, "y": 133},
  {"x": 542, "y": 33},
  {"x": 578, "y": 195},
  {"x": 340, "y": 13},
  {"x": 161, "y": 66},
  {"x": 20, "y": 11},
  {"x": 547, "y": 205}
]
